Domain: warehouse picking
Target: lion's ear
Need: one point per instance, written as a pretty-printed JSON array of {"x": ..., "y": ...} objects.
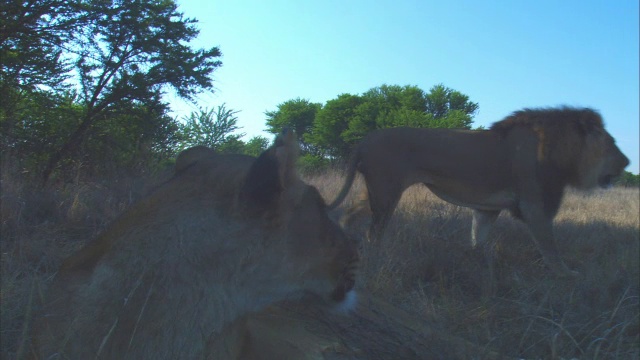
[{"x": 273, "y": 174}]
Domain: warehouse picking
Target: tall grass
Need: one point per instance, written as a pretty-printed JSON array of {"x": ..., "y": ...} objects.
[
  {"x": 501, "y": 295},
  {"x": 40, "y": 227},
  {"x": 508, "y": 302}
]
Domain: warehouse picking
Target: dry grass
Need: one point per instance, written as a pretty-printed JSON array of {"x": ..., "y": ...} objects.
[
  {"x": 424, "y": 264},
  {"x": 511, "y": 302},
  {"x": 39, "y": 229}
]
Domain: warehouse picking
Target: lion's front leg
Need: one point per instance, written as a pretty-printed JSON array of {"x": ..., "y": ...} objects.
[{"x": 540, "y": 226}]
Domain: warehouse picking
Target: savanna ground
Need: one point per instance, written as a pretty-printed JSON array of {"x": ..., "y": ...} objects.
[{"x": 424, "y": 265}]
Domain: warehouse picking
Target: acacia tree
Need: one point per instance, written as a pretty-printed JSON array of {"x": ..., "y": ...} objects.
[
  {"x": 255, "y": 146},
  {"x": 331, "y": 124},
  {"x": 31, "y": 40},
  {"x": 344, "y": 121},
  {"x": 444, "y": 103},
  {"x": 31, "y": 36},
  {"x": 297, "y": 114},
  {"x": 386, "y": 106},
  {"x": 628, "y": 179},
  {"x": 129, "y": 52},
  {"x": 212, "y": 128}
]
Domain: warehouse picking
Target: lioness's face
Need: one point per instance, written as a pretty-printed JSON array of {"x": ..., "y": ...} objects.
[{"x": 327, "y": 256}]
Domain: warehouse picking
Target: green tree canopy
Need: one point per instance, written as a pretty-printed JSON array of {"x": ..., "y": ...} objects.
[
  {"x": 332, "y": 123},
  {"x": 31, "y": 36},
  {"x": 256, "y": 145},
  {"x": 31, "y": 40},
  {"x": 446, "y": 104},
  {"x": 628, "y": 179},
  {"x": 297, "y": 114},
  {"x": 124, "y": 54},
  {"x": 217, "y": 129},
  {"x": 212, "y": 128},
  {"x": 342, "y": 122}
]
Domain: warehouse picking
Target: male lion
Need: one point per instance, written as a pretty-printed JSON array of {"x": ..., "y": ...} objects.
[
  {"x": 523, "y": 163},
  {"x": 174, "y": 275}
]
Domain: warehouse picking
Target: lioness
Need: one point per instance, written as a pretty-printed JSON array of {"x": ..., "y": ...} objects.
[
  {"x": 523, "y": 163},
  {"x": 169, "y": 279}
]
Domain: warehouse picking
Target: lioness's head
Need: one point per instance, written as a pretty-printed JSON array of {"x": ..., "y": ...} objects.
[
  {"x": 324, "y": 257},
  {"x": 289, "y": 214},
  {"x": 227, "y": 235}
]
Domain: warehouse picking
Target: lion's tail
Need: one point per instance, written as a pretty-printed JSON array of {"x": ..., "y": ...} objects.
[{"x": 351, "y": 175}]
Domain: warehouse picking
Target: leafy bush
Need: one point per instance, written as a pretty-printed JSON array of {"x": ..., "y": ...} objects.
[{"x": 312, "y": 164}]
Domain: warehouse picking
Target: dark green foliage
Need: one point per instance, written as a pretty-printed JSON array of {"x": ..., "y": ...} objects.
[
  {"x": 131, "y": 142},
  {"x": 441, "y": 101},
  {"x": 332, "y": 130},
  {"x": 83, "y": 81},
  {"x": 212, "y": 128},
  {"x": 216, "y": 129},
  {"x": 628, "y": 179},
  {"x": 333, "y": 122},
  {"x": 30, "y": 61},
  {"x": 343, "y": 121},
  {"x": 30, "y": 42},
  {"x": 256, "y": 145},
  {"x": 312, "y": 164},
  {"x": 41, "y": 120},
  {"x": 298, "y": 115},
  {"x": 129, "y": 50}
]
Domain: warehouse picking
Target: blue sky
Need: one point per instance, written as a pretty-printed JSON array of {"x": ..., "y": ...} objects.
[{"x": 505, "y": 55}]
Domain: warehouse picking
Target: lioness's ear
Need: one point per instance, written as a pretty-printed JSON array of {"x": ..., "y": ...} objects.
[
  {"x": 287, "y": 151},
  {"x": 273, "y": 173}
]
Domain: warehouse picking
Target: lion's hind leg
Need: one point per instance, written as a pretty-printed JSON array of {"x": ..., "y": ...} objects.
[
  {"x": 481, "y": 225},
  {"x": 358, "y": 216},
  {"x": 384, "y": 192},
  {"x": 381, "y": 212}
]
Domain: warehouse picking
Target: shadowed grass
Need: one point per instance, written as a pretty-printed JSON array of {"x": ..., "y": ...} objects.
[
  {"x": 509, "y": 303},
  {"x": 39, "y": 229}
]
